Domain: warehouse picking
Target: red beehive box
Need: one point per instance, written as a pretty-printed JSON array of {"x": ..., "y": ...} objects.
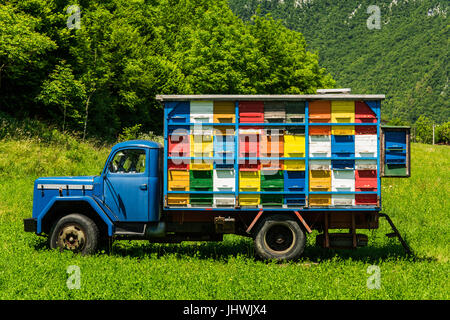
[
  {"x": 178, "y": 164},
  {"x": 179, "y": 145},
  {"x": 366, "y": 180},
  {"x": 249, "y": 142},
  {"x": 363, "y": 113},
  {"x": 365, "y": 130},
  {"x": 320, "y": 111},
  {"x": 251, "y": 111},
  {"x": 366, "y": 199},
  {"x": 319, "y": 130}
]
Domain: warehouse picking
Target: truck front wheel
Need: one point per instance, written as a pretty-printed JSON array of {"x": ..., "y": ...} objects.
[
  {"x": 279, "y": 237},
  {"x": 74, "y": 232}
]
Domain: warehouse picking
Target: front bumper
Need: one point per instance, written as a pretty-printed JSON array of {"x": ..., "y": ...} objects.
[{"x": 30, "y": 225}]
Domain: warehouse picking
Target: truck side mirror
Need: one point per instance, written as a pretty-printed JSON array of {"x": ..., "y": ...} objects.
[{"x": 395, "y": 152}]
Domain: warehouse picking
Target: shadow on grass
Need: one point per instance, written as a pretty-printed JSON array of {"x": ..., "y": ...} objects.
[{"x": 243, "y": 247}]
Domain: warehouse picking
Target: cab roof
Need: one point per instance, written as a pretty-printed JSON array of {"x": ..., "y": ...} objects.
[{"x": 137, "y": 143}]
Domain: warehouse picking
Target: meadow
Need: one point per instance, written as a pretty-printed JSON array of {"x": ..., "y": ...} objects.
[{"x": 419, "y": 207}]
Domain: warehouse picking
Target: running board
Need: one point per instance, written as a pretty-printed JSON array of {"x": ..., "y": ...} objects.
[{"x": 129, "y": 229}]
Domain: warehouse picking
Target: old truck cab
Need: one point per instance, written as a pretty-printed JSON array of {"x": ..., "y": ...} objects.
[{"x": 73, "y": 211}]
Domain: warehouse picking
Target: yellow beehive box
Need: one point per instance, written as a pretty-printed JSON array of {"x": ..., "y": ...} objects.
[
  {"x": 343, "y": 130},
  {"x": 294, "y": 165},
  {"x": 249, "y": 179},
  {"x": 249, "y": 199},
  {"x": 294, "y": 145},
  {"x": 224, "y": 112},
  {"x": 319, "y": 200},
  {"x": 178, "y": 199},
  {"x": 178, "y": 180},
  {"x": 320, "y": 180},
  {"x": 197, "y": 164},
  {"x": 343, "y": 111},
  {"x": 201, "y": 146}
]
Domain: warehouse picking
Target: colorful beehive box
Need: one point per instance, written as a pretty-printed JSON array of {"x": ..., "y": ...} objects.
[
  {"x": 224, "y": 112},
  {"x": 363, "y": 113},
  {"x": 202, "y": 142},
  {"x": 251, "y": 111},
  {"x": 274, "y": 111},
  {"x": 343, "y": 112},
  {"x": 366, "y": 145},
  {"x": 320, "y": 180},
  {"x": 319, "y": 146},
  {"x": 295, "y": 184},
  {"x": 295, "y": 112},
  {"x": 224, "y": 146},
  {"x": 272, "y": 181},
  {"x": 294, "y": 142},
  {"x": 224, "y": 180},
  {"x": 343, "y": 146},
  {"x": 201, "y": 181},
  {"x": 320, "y": 111},
  {"x": 249, "y": 181},
  {"x": 178, "y": 180},
  {"x": 249, "y": 142},
  {"x": 201, "y": 112},
  {"x": 319, "y": 200},
  {"x": 179, "y": 142},
  {"x": 272, "y": 143},
  {"x": 178, "y": 112}
]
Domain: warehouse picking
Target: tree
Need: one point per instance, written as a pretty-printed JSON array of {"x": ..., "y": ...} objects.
[
  {"x": 424, "y": 130},
  {"x": 63, "y": 92},
  {"x": 443, "y": 133},
  {"x": 22, "y": 56}
]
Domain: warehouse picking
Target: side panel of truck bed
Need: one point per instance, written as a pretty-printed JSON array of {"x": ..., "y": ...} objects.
[{"x": 284, "y": 154}]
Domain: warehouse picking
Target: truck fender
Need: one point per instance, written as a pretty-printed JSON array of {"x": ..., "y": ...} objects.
[{"x": 93, "y": 204}]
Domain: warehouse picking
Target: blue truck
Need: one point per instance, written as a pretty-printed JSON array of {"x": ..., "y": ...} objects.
[{"x": 270, "y": 167}]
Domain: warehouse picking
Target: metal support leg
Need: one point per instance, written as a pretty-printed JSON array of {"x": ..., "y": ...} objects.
[
  {"x": 396, "y": 233},
  {"x": 353, "y": 231},
  {"x": 325, "y": 232}
]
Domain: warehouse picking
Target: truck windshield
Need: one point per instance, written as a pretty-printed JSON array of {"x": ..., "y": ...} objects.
[{"x": 128, "y": 161}]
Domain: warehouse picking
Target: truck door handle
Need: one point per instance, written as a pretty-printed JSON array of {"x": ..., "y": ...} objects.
[{"x": 143, "y": 187}]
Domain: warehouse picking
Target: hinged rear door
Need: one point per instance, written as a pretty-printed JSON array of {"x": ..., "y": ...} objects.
[{"x": 395, "y": 152}]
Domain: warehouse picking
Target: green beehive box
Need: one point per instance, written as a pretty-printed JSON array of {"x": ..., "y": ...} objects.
[
  {"x": 395, "y": 170},
  {"x": 201, "y": 199},
  {"x": 272, "y": 199},
  {"x": 295, "y": 130},
  {"x": 272, "y": 180},
  {"x": 201, "y": 178},
  {"x": 295, "y": 111}
]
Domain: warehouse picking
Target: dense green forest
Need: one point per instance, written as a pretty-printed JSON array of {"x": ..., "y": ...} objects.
[
  {"x": 406, "y": 58},
  {"x": 95, "y": 69}
]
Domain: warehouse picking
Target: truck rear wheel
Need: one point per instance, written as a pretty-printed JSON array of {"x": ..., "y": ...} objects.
[
  {"x": 74, "y": 232},
  {"x": 279, "y": 237}
]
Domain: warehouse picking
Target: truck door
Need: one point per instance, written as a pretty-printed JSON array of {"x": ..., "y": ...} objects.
[{"x": 126, "y": 184}]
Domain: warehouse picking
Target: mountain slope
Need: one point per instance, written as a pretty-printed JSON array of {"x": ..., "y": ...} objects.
[{"x": 406, "y": 58}]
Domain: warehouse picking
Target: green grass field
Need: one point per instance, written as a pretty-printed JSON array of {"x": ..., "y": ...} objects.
[{"x": 419, "y": 206}]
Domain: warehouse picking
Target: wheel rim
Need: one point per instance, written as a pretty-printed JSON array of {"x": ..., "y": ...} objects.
[
  {"x": 279, "y": 238},
  {"x": 71, "y": 237}
]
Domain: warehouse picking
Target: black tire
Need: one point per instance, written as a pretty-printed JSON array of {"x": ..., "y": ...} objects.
[
  {"x": 74, "y": 232},
  {"x": 279, "y": 237}
]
